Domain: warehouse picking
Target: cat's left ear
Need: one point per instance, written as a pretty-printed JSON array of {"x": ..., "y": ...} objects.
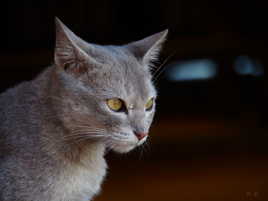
[{"x": 148, "y": 49}]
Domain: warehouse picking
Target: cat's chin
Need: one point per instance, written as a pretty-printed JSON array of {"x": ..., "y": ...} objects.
[{"x": 123, "y": 148}]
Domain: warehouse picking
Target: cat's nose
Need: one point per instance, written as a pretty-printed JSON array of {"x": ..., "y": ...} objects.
[{"x": 140, "y": 136}]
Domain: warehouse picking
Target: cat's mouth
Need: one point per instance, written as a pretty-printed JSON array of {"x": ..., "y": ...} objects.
[
  {"x": 142, "y": 141},
  {"x": 123, "y": 142}
]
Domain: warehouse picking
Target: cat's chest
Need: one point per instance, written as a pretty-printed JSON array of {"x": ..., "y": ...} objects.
[{"x": 80, "y": 183}]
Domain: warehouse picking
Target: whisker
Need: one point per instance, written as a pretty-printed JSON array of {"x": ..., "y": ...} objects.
[
  {"x": 109, "y": 145},
  {"x": 121, "y": 138},
  {"x": 141, "y": 151},
  {"x": 87, "y": 126},
  {"x": 85, "y": 132},
  {"x": 82, "y": 135},
  {"x": 161, "y": 65},
  {"x": 160, "y": 70},
  {"x": 147, "y": 146},
  {"x": 88, "y": 130}
]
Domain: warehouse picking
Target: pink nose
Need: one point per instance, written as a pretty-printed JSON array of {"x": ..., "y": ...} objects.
[{"x": 140, "y": 136}]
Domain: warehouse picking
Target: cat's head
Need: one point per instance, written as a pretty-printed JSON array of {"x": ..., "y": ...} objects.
[{"x": 105, "y": 93}]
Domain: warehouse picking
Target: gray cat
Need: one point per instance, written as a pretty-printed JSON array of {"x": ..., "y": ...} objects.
[{"x": 54, "y": 130}]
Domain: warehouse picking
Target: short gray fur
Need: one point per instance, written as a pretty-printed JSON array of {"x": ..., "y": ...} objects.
[{"x": 54, "y": 130}]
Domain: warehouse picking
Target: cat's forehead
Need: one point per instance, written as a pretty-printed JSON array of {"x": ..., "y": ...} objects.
[
  {"x": 124, "y": 76},
  {"x": 119, "y": 70}
]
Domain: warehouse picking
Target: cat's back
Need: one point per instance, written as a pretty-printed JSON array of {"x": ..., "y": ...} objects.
[
  {"x": 19, "y": 142},
  {"x": 16, "y": 109},
  {"x": 15, "y": 103},
  {"x": 15, "y": 98},
  {"x": 22, "y": 158}
]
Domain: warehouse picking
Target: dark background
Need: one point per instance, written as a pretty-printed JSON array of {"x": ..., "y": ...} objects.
[{"x": 209, "y": 139}]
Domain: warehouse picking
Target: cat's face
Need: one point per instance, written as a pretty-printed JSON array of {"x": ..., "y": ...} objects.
[
  {"x": 125, "y": 104},
  {"x": 106, "y": 92}
]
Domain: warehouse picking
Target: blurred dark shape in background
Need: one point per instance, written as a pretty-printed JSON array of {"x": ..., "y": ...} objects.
[{"x": 209, "y": 139}]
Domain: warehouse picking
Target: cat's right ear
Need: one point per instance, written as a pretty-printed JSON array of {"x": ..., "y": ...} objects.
[
  {"x": 147, "y": 50},
  {"x": 68, "y": 53}
]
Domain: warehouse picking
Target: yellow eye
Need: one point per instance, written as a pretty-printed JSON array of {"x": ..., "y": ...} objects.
[
  {"x": 115, "y": 104},
  {"x": 149, "y": 104}
]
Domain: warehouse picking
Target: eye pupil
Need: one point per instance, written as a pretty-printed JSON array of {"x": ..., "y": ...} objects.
[
  {"x": 149, "y": 104},
  {"x": 115, "y": 104}
]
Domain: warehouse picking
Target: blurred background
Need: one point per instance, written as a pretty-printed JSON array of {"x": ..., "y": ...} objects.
[{"x": 209, "y": 138}]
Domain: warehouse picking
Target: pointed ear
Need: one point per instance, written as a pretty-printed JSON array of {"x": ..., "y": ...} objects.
[
  {"x": 68, "y": 53},
  {"x": 148, "y": 48}
]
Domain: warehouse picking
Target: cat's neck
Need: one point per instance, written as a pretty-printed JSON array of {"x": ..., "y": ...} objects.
[
  {"x": 68, "y": 151},
  {"x": 53, "y": 134}
]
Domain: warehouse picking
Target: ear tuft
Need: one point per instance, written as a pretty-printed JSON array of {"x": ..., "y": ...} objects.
[
  {"x": 68, "y": 55},
  {"x": 148, "y": 49}
]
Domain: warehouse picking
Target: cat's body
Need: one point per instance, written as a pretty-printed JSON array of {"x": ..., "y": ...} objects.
[
  {"x": 54, "y": 129},
  {"x": 29, "y": 168}
]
